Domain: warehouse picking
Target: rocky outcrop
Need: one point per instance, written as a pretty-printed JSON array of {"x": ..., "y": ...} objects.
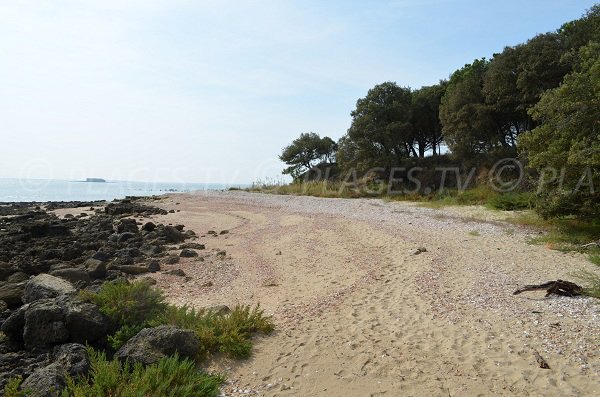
[
  {"x": 46, "y": 286},
  {"x": 152, "y": 344}
]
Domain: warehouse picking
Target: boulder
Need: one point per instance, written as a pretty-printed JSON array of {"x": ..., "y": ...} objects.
[
  {"x": 46, "y": 382},
  {"x": 152, "y": 344},
  {"x": 72, "y": 275},
  {"x": 84, "y": 321},
  {"x": 187, "y": 253},
  {"x": 96, "y": 268},
  {"x": 127, "y": 225},
  {"x": 73, "y": 358},
  {"x": 45, "y": 286},
  {"x": 154, "y": 265},
  {"x": 44, "y": 324},
  {"x": 12, "y": 293},
  {"x": 149, "y": 226},
  {"x": 125, "y": 236},
  {"x": 172, "y": 235},
  {"x": 18, "y": 277},
  {"x": 13, "y": 326}
]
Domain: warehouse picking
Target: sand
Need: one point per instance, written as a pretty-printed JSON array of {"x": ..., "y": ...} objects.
[{"x": 359, "y": 313}]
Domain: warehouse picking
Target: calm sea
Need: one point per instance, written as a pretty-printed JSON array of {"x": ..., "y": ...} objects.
[{"x": 56, "y": 190}]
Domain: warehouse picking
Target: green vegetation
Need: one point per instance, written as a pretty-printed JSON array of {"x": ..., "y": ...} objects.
[
  {"x": 305, "y": 150},
  {"x": 12, "y": 388},
  {"x": 229, "y": 334},
  {"x": 538, "y": 101},
  {"x": 133, "y": 306},
  {"x": 128, "y": 306},
  {"x": 171, "y": 376},
  {"x": 591, "y": 283}
]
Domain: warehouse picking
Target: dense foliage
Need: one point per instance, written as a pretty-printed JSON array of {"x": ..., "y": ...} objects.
[{"x": 538, "y": 100}]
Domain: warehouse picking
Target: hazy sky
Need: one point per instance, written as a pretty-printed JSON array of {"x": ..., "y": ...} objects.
[{"x": 210, "y": 91}]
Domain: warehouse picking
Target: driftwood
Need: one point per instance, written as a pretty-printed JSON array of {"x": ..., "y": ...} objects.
[
  {"x": 543, "y": 364},
  {"x": 558, "y": 287},
  {"x": 589, "y": 245}
]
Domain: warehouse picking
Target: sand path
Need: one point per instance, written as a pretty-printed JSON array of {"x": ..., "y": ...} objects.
[{"x": 359, "y": 314}]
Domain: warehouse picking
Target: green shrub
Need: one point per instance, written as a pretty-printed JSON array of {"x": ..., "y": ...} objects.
[
  {"x": 169, "y": 377},
  {"x": 511, "y": 201},
  {"x": 128, "y": 306},
  {"x": 227, "y": 333},
  {"x": 11, "y": 389}
]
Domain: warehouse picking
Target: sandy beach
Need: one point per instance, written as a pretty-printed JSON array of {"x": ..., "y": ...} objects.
[{"x": 375, "y": 298}]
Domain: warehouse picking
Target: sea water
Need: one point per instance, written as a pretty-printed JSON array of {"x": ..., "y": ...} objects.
[{"x": 43, "y": 190}]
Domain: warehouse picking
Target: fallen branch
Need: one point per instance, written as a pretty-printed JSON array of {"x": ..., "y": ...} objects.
[
  {"x": 588, "y": 245},
  {"x": 558, "y": 287},
  {"x": 543, "y": 364}
]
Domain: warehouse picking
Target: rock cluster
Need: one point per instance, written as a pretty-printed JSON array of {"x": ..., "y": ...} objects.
[{"x": 46, "y": 260}]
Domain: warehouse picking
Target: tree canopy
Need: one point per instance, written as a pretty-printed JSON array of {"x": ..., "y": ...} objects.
[{"x": 306, "y": 151}]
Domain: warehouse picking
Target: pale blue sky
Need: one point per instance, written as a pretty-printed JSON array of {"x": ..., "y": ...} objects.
[{"x": 210, "y": 91}]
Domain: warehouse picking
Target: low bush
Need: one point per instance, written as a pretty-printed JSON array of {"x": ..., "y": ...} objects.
[
  {"x": 511, "y": 201},
  {"x": 226, "y": 333},
  {"x": 171, "y": 376},
  {"x": 128, "y": 306},
  {"x": 133, "y": 306}
]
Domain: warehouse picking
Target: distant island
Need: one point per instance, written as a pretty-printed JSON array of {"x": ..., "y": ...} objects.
[{"x": 95, "y": 180}]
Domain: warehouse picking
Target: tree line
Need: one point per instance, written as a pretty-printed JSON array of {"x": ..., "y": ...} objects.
[{"x": 539, "y": 100}]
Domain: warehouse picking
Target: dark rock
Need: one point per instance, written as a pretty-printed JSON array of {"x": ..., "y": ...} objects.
[
  {"x": 172, "y": 235},
  {"x": 224, "y": 232},
  {"x": 186, "y": 253},
  {"x": 84, "y": 321},
  {"x": 194, "y": 246},
  {"x": 52, "y": 254},
  {"x": 134, "y": 269},
  {"x": 46, "y": 382},
  {"x": 73, "y": 358},
  {"x": 12, "y": 293},
  {"x": 44, "y": 324},
  {"x": 3, "y": 306},
  {"x": 72, "y": 252},
  {"x": 6, "y": 270},
  {"x": 14, "y": 324},
  {"x": 179, "y": 227},
  {"x": 72, "y": 275},
  {"x": 152, "y": 344},
  {"x": 101, "y": 256},
  {"x": 125, "y": 236},
  {"x": 175, "y": 272},
  {"x": 154, "y": 265},
  {"x": 127, "y": 225},
  {"x": 46, "y": 286},
  {"x": 95, "y": 268},
  {"x": 150, "y": 249},
  {"x": 171, "y": 259},
  {"x": 149, "y": 226}
]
